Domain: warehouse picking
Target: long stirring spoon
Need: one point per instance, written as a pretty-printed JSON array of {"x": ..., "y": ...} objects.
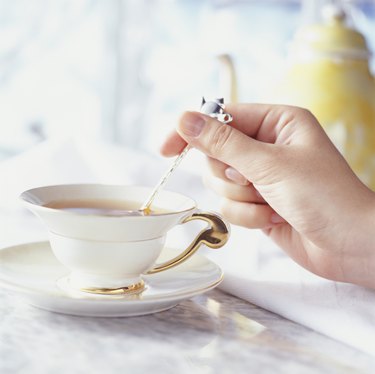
[{"x": 215, "y": 109}]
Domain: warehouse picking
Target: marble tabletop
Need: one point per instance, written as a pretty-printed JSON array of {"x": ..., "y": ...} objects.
[{"x": 211, "y": 333}]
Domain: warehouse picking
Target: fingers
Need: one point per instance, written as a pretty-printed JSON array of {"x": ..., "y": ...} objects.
[
  {"x": 250, "y": 215},
  {"x": 173, "y": 145},
  {"x": 242, "y": 203},
  {"x": 266, "y": 122},
  {"x": 233, "y": 191},
  {"x": 223, "y": 142},
  {"x": 261, "y": 121},
  {"x": 248, "y": 118},
  {"x": 223, "y": 171}
]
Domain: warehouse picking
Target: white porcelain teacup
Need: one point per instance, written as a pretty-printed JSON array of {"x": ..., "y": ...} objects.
[{"x": 107, "y": 252}]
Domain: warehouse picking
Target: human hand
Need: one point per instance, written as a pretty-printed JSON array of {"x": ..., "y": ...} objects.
[{"x": 277, "y": 170}]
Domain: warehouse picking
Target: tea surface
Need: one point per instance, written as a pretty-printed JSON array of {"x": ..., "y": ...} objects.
[{"x": 103, "y": 207}]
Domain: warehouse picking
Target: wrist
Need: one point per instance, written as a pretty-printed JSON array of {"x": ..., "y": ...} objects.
[{"x": 360, "y": 249}]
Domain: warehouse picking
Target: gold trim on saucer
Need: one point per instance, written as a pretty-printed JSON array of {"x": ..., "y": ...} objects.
[{"x": 128, "y": 290}]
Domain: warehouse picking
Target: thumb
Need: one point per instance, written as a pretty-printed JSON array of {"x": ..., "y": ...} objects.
[{"x": 225, "y": 143}]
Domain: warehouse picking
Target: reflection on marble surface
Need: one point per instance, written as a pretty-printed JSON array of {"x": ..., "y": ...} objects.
[{"x": 212, "y": 333}]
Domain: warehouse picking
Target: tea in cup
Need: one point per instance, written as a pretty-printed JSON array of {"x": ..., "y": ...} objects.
[{"x": 107, "y": 243}]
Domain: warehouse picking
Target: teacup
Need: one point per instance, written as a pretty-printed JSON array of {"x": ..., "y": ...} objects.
[{"x": 108, "y": 250}]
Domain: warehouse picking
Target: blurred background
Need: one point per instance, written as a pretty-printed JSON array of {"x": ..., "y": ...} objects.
[{"x": 122, "y": 71}]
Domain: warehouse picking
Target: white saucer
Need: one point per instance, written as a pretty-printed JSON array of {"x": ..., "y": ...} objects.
[{"x": 32, "y": 271}]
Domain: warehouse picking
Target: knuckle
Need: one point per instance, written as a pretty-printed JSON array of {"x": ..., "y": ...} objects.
[
  {"x": 303, "y": 113},
  {"x": 270, "y": 164},
  {"x": 220, "y": 138},
  {"x": 296, "y": 110}
]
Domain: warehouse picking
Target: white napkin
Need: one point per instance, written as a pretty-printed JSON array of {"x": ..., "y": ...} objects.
[
  {"x": 259, "y": 272},
  {"x": 255, "y": 269}
]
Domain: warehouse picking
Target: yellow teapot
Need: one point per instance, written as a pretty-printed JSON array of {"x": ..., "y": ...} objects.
[{"x": 329, "y": 75}]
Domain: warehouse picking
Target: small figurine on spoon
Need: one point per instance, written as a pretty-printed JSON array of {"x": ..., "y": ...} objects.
[{"x": 213, "y": 108}]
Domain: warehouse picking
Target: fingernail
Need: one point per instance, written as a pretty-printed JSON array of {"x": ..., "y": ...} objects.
[
  {"x": 275, "y": 218},
  {"x": 192, "y": 124},
  {"x": 235, "y": 176}
]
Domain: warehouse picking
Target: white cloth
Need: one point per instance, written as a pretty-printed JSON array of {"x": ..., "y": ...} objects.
[{"x": 255, "y": 269}]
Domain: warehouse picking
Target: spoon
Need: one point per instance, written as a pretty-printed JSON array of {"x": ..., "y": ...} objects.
[{"x": 215, "y": 109}]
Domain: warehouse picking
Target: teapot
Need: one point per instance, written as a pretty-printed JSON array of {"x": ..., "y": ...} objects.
[{"x": 329, "y": 74}]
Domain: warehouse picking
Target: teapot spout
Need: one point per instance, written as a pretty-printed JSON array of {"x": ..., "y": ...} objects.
[{"x": 228, "y": 78}]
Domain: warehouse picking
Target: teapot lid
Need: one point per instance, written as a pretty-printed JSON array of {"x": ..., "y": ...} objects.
[{"x": 331, "y": 38}]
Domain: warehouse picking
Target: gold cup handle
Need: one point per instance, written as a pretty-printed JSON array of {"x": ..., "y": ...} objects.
[{"x": 215, "y": 235}]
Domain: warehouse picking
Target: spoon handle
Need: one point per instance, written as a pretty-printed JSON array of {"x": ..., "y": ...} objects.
[
  {"x": 214, "y": 109},
  {"x": 146, "y": 205}
]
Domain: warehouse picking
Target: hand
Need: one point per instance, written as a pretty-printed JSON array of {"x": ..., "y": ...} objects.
[{"x": 277, "y": 170}]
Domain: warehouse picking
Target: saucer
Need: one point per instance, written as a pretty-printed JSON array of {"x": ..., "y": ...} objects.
[{"x": 32, "y": 272}]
